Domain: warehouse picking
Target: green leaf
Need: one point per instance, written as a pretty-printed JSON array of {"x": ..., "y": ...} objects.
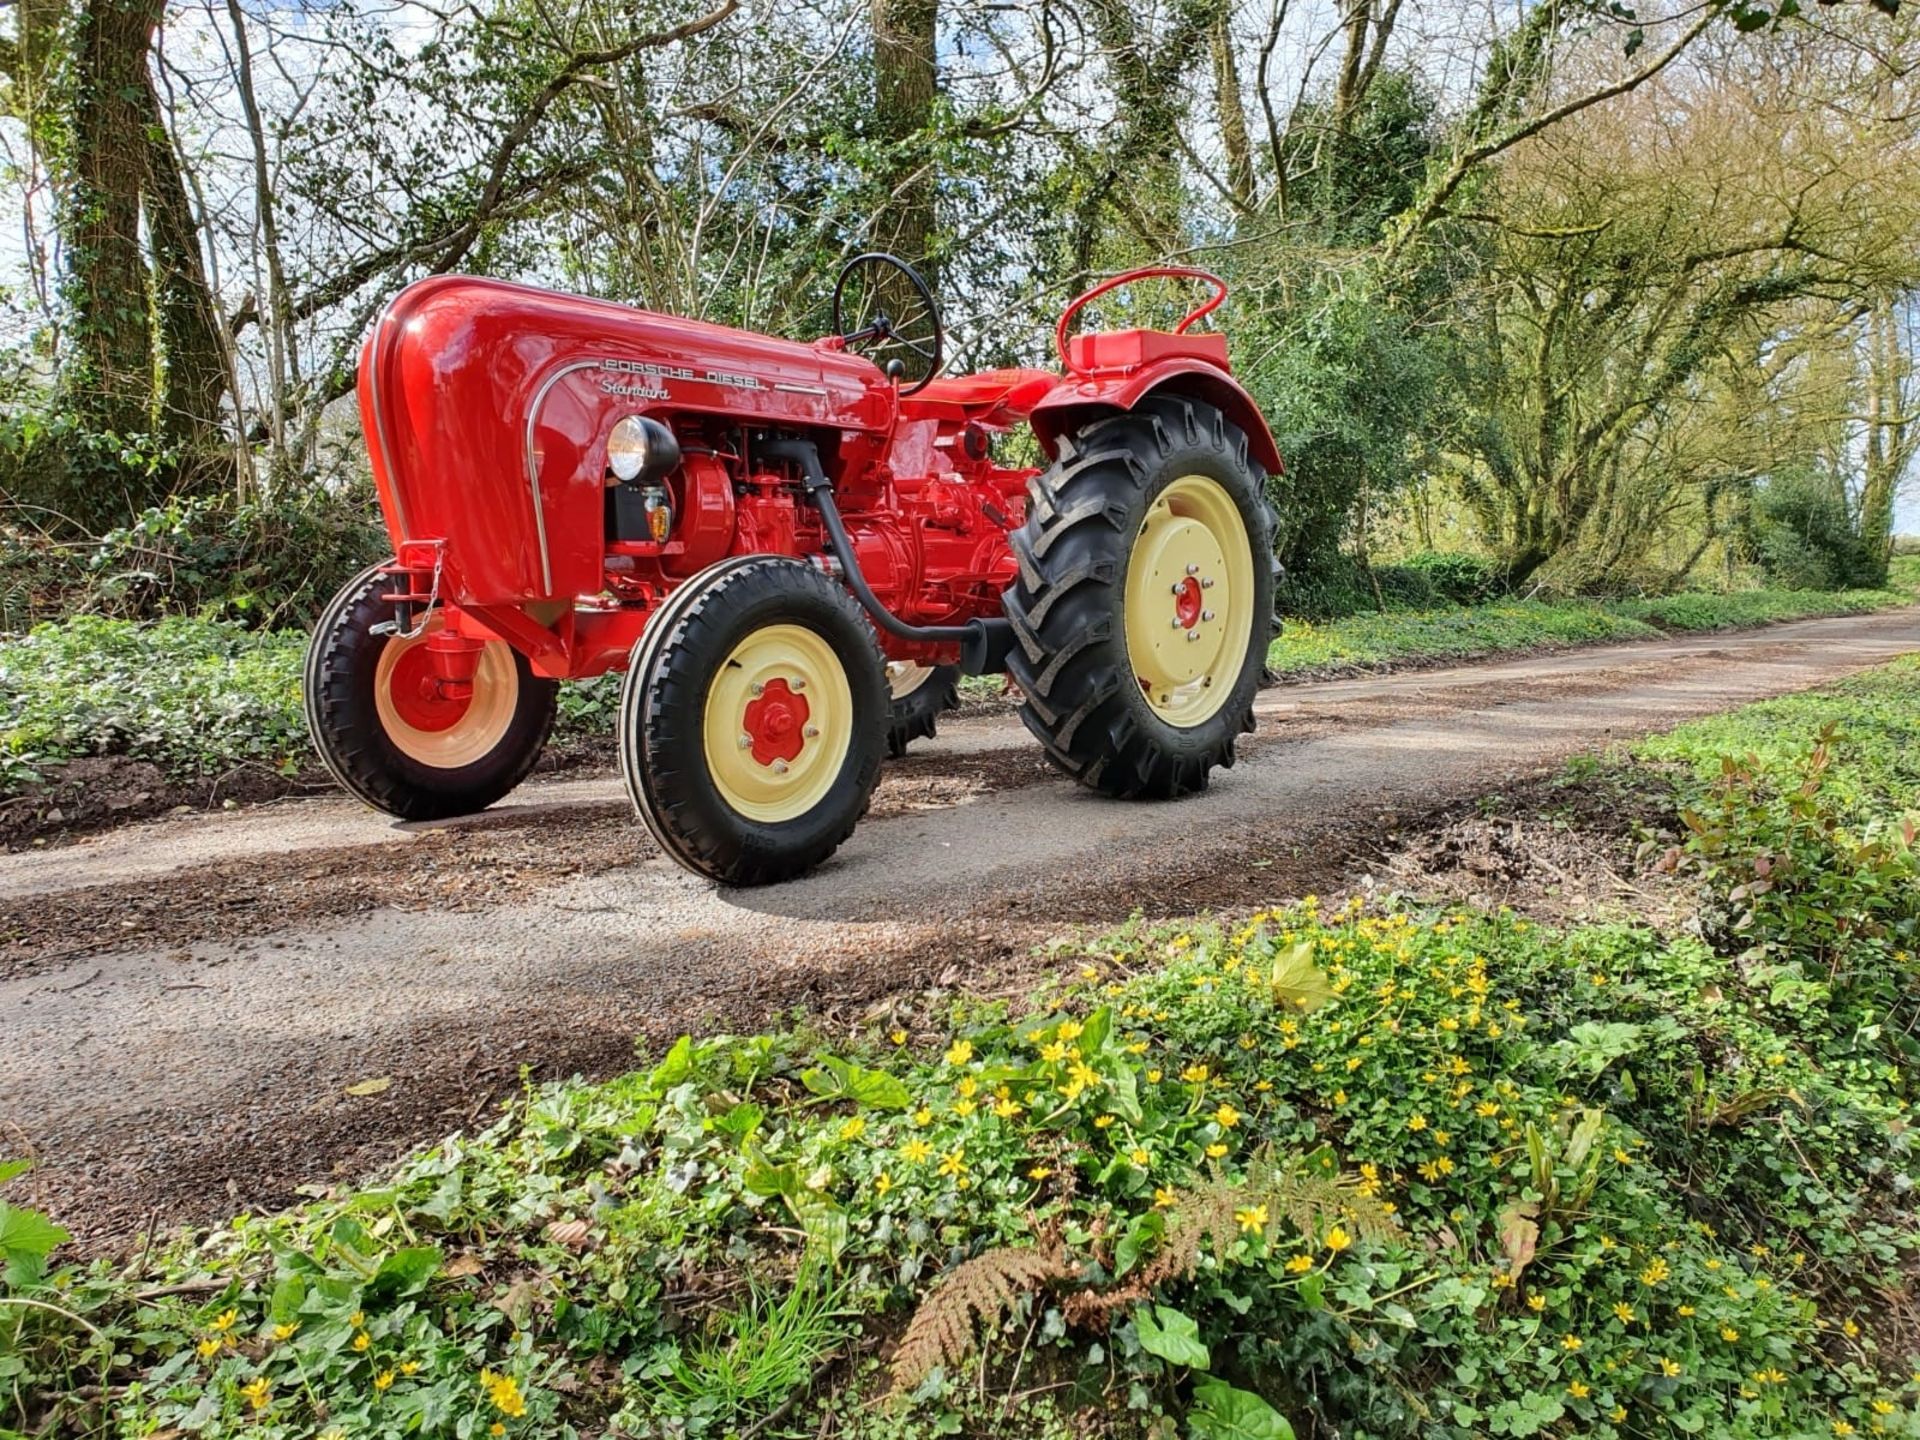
[
  {"x": 11, "y": 1168},
  {"x": 676, "y": 1068},
  {"x": 27, "y": 1234},
  {"x": 1172, "y": 1335},
  {"x": 841, "y": 1080},
  {"x": 1142, "y": 1235},
  {"x": 405, "y": 1272},
  {"x": 763, "y": 1177},
  {"x": 1220, "y": 1412}
]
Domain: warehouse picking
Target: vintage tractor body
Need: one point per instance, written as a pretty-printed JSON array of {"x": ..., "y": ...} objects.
[{"x": 792, "y": 549}]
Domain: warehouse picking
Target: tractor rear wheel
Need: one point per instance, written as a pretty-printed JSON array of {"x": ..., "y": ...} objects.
[
  {"x": 1143, "y": 606},
  {"x": 921, "y": 694},
  {"x": 753, "y": 720},
  {"x": 388, "y": 734}
]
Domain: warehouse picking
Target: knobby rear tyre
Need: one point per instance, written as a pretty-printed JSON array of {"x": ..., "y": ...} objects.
[{"x": 1085, "y": 697}]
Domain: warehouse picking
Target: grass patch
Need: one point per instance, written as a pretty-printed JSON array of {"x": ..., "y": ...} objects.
[
  {"x": 1398, "y": 637},
  {"x": 1373, "y": 1171}
]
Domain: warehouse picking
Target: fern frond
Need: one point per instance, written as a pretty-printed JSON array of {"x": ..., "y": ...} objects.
[{"x": 972, "y": 1298}]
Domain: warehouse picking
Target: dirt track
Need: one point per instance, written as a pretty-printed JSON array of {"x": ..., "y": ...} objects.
[{"x": 184, "y": 1003}]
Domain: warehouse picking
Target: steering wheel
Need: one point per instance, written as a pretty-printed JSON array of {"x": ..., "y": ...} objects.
[
  {"x": 883, "y": 309},
  {"x": 1151, "y": 272}
]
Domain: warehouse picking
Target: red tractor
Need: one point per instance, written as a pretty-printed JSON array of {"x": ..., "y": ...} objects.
[{"x": 793, "y": 550}]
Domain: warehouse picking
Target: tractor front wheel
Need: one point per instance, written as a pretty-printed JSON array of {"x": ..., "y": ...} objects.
[
  {"x": 388, "y": 732},
  {"x": 921, "y": 694},
  {"x": 1143, "y": 606},
  {"x": 753, "y": 720}
]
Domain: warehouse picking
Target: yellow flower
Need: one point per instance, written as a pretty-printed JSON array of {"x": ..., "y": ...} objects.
[
  {"x": 1849, "y": 1329},
  {"x": 357, "y": 1319},
  {"x": 964, "y": 1108},
  {"x": 1102, "y": 1122},
  {"x": 1006, "y": 1109},
  {"x": 1687, "y": 1312},
  {"x": 968, "y": 1086},
  {"x": 960, "y": 1052},
  {"x": 954, "y": 1164},
  {"x": 1153, "y": 1076},
  {"x": 1841, "y": 1427},
  {"x": 854, "y": 1128},
  {"x": 383, "y": 1381},
  {"x": 914, "y": 1151},
  {"x": 362, "y": 1341},
  {"x": 1195, "y": 1074},
  {"x": 257, "y": 1392},
  {"x": 1536, "y": 1303},
  {"x": 1263, "y": 1086},
  {"x": 923, "y": 1116},
  {"x": 1623, "y": 1313},
  {"x": 409, "y": 1367},
  {"x": 1338, "y": 1239},
  {"x": 285, "y": 1332},
  {"x": 1215, "y": 1151},
  {"x": 1618, "y": 1414},
  {"x": 1669, "y": 1368},
  {"x": 224, "y": 1321},
  {"x": 1252, "y": 1220},
  {"x": 1729, "y": 1334},
  {"x": 1069, "y": 1030},
  {"x": 1299, "y": 1264},
  {"x": 1226, "y": 1117},
  {"x": 1416, "y": 1122},
  {"x": 1486, "y": 1109},
  {"x": 1656, "y": 1271},
  {"x": 1141, "y": 1157},
  {"x": 504, "y": 1392},
  {"x": 1053, "y": 1053},
  {"x": 882, "y": 1183},
  {"x": 899, "y": 1037},
  {"x": 1039, "y": 1172},
  {"x": 497, "y": 1429},
  {"x": 1771, "y": 1376},
  {"x": 208, "y": 1348},
  {"x": 1570, "y": 1342},
  {"x": 1162, "y": 1197},
  {"x": 1577, "y": 1390}
]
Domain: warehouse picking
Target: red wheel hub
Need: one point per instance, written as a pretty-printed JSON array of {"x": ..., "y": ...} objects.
[
  {"x": 776, "y": 722},
  {"x": 419, "y": 697},
  {"x": 1186, "y": 603}
]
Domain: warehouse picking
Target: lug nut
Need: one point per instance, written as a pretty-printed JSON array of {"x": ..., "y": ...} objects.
[
  {"x": 756, "y": 688},
  {"x": 1177, "y": 587},
  {"x": 799, "y": 683},
  {"x": 1176, "y": 622},
  {"x": 746, "y": 742},
  {"x": 1206, "y": 582},
  {"x": 1206, "y": 614},
  {"x": 779, "y": 767},
  {"x": 1192, "y": 635},
  {"x": 1193, "y": 569},
  {"x": 813, "y": 732}
]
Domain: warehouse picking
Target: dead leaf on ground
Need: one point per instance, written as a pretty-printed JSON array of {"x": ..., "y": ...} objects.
[
  {"x": 371, "y": 1087},
  {"x": 1519, "y": 1234},
  {"x": 574, "y": 1234}
]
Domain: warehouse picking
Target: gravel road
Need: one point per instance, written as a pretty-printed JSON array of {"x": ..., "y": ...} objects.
[{"x": 184, "y": 1003}]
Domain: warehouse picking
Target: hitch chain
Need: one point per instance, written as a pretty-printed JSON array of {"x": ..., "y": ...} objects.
[{"x": 399, "y": 628}]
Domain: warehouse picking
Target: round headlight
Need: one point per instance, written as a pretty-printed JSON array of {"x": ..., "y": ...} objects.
[{"x": 629, "y": 447}]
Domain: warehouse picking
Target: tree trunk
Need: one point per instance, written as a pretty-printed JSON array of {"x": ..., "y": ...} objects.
[
  {"x": 109, "y": 375},
  {"x": 1234, "y": 138},
  {"x": 906, "y": 75},
  {"x": 193, "y": 357}
]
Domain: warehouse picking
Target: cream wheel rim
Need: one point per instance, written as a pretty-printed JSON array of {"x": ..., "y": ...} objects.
[
  {"x": 778, "y": 723},
  {"x": 904, "y": 677},
  {"x": 1189, "y": 600},
  {"x": 432, "y": 731}
]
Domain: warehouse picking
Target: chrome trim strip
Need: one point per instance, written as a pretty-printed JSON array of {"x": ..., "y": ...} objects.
[
  {"x": 380, "y": 421},
  {"x": 799, "y": 389},
  {"x": 533, "y": 469}
]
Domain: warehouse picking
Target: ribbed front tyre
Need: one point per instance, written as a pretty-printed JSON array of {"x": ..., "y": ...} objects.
[
  {"x": 753, "y": 720},
  {"x": 387, "y": 731},
  {"x": 1144, "y": 602}
]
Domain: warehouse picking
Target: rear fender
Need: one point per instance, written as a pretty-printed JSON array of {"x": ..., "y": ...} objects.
[{"x": 1077, "y": 400}]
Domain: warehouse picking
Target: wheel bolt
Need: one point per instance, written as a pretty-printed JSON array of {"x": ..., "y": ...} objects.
[
  {"x": 1206, "y": 582},
  {"x": 1192, "y": 635},
  {"x": 1176, "y": 622},
  {"x": 813, "y": 732},
  {"x": 746, "y": 742},
  {"x": 1193, "y": 569},
  {"x": 799, "y": 683},
  {"x": 779, "y": 767},
  {"x": 1177, "y": 587},
  {"x": 756, "y": 688},
  {"x": 1206, "y": 614}
]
